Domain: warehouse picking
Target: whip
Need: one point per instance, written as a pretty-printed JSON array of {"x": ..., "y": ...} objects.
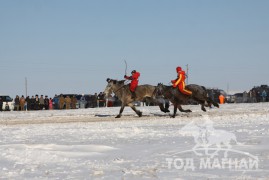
[{"x": 125, "y": 67}]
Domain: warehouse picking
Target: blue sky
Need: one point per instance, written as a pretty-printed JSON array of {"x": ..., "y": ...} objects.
[{"x": 69, "y": 46}]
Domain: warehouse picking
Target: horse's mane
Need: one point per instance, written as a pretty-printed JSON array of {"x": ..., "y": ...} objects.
[
  {"x": 166, "y": 86},
  {"x": 115, "y": 81},
  {"x": 121, "y": 81}
]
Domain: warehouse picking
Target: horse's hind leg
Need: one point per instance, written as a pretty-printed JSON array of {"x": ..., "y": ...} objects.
[
  {"x": 203, "y": 107},
  {"x": 121, "y": 110},
  {"x": 202, "y": 102},
  {"x": 139, "y": 113}
]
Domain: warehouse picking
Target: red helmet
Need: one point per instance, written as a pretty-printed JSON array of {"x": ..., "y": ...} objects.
[{"x": 178, "y": 69}]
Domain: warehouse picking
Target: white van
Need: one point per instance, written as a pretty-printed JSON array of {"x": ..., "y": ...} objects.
[{"x": 7, "y": 99}]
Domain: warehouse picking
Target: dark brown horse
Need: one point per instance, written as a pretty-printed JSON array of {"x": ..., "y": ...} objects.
[
  {"x": 199, "y": 94},
  {"x": 124, "y": 94}
]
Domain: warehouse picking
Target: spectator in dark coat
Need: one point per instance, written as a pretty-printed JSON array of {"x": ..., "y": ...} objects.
[
  {"x": 28, "y": 103},
  {"x": 95, "y": 100},
  {"x": 17, "y": 103},
  {"x": 101, "y": 99},
  {"x": 46, "y": 103},
  {"x": 37, "y": 103},
  {"x": 32, "y": 103}
]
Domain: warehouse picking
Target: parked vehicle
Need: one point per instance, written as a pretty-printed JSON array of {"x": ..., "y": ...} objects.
[
  {"x": 238, "y": 98},
  {"x": 9, "y": 100},
  {"x": 230, "y": 99}
]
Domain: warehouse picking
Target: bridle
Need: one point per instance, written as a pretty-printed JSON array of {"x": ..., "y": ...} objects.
[{"x": 109, "y": 81}]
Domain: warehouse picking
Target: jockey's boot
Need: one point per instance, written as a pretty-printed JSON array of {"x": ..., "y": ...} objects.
[{"x": 133, "y": 95}]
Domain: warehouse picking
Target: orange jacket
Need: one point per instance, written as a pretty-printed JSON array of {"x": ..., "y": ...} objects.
[
  {"x": 221, "y": 99},
  {"x": 181, "y": 78}
]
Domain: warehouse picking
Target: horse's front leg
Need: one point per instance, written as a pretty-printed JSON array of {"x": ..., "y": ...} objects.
[
  {"x": 166, "y": 102},
  {"x": 162, "y": 108},
  {"x": 139, "y": 113},
  {"x": 182, "y": 110},
  {"x": 210, "y": 101},
  {"x": 121, "y": 110},
  {"x": 175, "y": 110}
]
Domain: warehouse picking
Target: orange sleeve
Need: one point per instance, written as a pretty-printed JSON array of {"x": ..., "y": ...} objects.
[{"x": 178, "y": 80}]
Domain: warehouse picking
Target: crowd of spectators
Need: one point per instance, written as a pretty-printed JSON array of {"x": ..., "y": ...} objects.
[{"x": 57, "y": 102}]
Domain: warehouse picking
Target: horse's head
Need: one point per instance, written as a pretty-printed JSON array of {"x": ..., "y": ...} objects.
[
  {"x": 112, "y": 86},
  {"x": 159, "y": 91},
  {"x": 108, "y": 90}
]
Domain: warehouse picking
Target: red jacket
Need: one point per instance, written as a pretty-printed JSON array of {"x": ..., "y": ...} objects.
[{"x": 134, "y": 81}]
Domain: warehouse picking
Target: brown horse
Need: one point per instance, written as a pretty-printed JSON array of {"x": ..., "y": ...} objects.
[
  {"x": 124, "y": 94},
  {"x": 199, "y": 94}
]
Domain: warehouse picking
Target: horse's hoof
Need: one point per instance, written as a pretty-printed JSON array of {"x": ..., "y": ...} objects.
[
  {"x": 166, "y": 111},
  {"x": 173, "y": 116},
  {"x": 118, "y": 116},
  {"x": 189, "y": 111},
  {"x": 139, "y": 114}
]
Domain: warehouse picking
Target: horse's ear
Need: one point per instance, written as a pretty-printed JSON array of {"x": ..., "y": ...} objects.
[{"x": 108, "y": 80}]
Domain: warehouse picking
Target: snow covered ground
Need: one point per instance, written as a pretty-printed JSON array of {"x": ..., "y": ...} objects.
[{"x": 92, "y": 144}]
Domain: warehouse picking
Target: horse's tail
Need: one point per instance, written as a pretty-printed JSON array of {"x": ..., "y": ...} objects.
[{"x": 205, "y": 91}]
